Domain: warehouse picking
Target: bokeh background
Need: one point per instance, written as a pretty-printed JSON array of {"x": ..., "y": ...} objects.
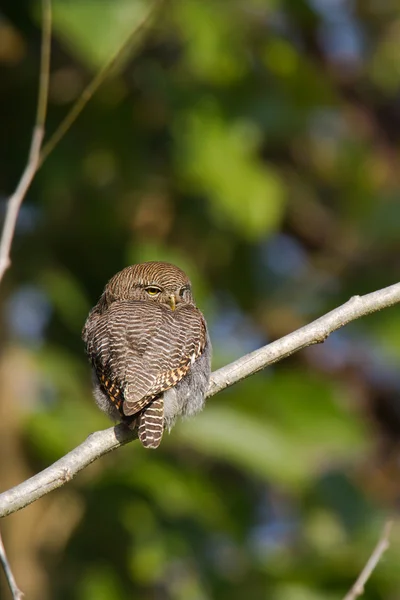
[{"x": 255, "y": 143}]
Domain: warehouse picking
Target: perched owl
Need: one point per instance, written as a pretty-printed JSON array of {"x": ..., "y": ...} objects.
[{"x": 149, "y": 348}]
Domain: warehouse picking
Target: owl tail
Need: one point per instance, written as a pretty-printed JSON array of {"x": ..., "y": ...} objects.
[{"x": 151, "y": 424}]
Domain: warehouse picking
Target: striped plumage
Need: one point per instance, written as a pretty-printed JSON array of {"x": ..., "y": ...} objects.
[{"x": 144, "y": 337}]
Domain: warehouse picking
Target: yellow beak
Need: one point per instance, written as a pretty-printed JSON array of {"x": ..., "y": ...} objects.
[{"x": 172, "y": 302}]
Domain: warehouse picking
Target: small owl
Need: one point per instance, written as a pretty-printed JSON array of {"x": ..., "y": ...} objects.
[{"x": 149, "y": 348}]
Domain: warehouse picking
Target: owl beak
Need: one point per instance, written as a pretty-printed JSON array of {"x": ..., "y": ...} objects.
[{"x": 172, "y": 302}]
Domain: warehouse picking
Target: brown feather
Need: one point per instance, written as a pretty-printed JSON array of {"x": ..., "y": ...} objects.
[
  {"x": 151, "y": 424},
  {"x": 139, "y": 347}
]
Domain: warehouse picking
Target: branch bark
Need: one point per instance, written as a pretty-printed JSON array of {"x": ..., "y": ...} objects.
[
  {"x": 381, "y": 547},
  {"x": 102, "y": 442}
]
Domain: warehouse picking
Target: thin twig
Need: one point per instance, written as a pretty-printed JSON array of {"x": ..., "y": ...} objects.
[
  {"x": 94, "y": 85},
  {"x": 15, "y": 591},
  {"x": 15, "y": 201},
  {"x": 43, "y": 93},
  {"x": 37, "y": 154},
  {"x": 381, "y": 547},
  {"x": 101, "y": 442}
]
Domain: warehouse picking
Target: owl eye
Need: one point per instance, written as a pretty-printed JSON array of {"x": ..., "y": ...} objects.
[
  {"x": 153, "y": 291},
  {"x": 183, "y": 291}
]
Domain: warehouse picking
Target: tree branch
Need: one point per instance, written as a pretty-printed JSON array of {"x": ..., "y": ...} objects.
[
  {"x": 94, "y": 85},
  {"x": 15, "y": 591},
  {"x": 101, "y": 442},
  {"x": 381, "y": 547},
  {"x": 314, "y": 333},
  {"x": 37, "y": 154},
  {"x": 15, "y": 201}
]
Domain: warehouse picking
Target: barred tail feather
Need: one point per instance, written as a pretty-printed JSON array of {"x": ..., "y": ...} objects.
[{"x": 151, "y": 424}]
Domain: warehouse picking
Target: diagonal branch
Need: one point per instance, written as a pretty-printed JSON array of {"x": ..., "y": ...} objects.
[
  {"x": 96, "y": 82},
  {"x": 37, "y": 154},
  {"x": 101, "y": 442},
  {"x": 15, "y": 201},
  {"x": 12, "y": 584},
  {"x": 314, "y": 333},
  {"x": 380, "y": 548}
]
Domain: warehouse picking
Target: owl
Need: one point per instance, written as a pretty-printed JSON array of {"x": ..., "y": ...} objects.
[{"x": 149, "y": 348}]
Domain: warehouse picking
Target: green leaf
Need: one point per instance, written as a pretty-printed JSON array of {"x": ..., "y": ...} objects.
[
  {"x": 215, "y": 53},
  {"x": 94, "y": 31},
  {"x": 220, "y": 159},
  {"x": 246, "y": 441},
  {"x": 281, "y": 429}
]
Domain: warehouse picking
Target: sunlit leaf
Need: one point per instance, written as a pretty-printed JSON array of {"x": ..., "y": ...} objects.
[
  {"x": 109, "y": 23},
  {"x": 220, "y": 159}
]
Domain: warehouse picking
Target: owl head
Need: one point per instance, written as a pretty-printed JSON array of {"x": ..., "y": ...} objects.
[{"x": 155, "y": 281}]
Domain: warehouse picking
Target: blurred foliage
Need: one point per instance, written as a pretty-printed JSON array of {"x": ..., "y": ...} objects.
[{"x": 254, "y": 143}]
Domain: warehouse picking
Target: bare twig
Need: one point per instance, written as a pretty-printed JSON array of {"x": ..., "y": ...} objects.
[
  {"x": 381, "y": 547},
  {"x": 37, "y": 155},
  {"x": 43, "y": 92},
  {"x": 15, "y": 201},
  {"x": 15, "y": 591},
  {"x": 101, "y": 442},
  {"x": 94, "y": 85}
]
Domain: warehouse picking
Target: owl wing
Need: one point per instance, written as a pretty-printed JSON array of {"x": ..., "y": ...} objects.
[
  {"x": 171, "y": 350},
  {"x": 140, "y": 349}
]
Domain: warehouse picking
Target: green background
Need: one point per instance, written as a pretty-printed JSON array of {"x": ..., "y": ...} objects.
[{"x": 255, "y": 144}]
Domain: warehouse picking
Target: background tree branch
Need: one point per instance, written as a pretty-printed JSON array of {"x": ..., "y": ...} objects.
[
  {"x": 371, "y": 564},
  {"x": 15, "y": 201},
  {"x": 12, "y": 584},
  {"x": 37, "y": 153},
  {"x": 96, "y": 82},
  {"x": 102, "y": 442}
]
